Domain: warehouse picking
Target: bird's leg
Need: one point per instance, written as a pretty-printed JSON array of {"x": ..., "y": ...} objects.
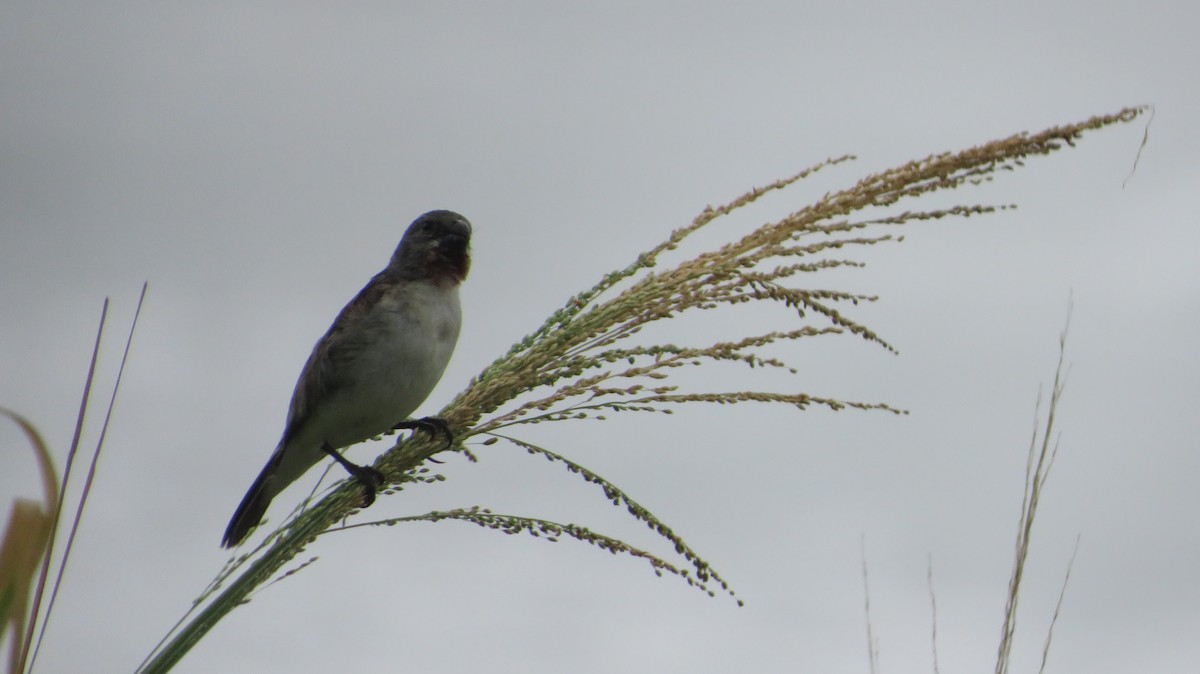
[
  {"x": 431, "y": 425},
  {"x": 370, "y": 478}
]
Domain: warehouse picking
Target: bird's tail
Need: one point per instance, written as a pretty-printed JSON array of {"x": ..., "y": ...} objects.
[{"x": 254, "y": 505}]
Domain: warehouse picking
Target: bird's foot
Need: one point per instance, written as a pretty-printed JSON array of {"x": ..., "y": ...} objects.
[
  {"x": 371, "y": 480},
  {"x": 369, "y": 477},
  {"x": 431, "y": 425}
]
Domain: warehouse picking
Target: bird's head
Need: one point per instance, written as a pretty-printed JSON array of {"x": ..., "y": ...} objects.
[{"x": 436, "y": 246}]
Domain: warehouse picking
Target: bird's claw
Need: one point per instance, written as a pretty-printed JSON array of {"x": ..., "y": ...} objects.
[
  {"x": 368, "y": 476},
  {"x": 371, "y": 480},
  {"x": 431, "y": 425}
]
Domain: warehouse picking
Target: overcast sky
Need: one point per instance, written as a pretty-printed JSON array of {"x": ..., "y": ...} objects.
[{"x": 257, "y": 163}]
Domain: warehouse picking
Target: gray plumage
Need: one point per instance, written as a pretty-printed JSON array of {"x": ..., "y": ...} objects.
[{"x": 378, "y": 362}]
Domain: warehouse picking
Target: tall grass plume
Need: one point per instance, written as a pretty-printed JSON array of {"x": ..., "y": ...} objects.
[{"x": 587, "y": 360}]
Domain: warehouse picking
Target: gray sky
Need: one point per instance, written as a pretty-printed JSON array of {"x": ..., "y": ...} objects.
[{"x": 258, "y": 163}]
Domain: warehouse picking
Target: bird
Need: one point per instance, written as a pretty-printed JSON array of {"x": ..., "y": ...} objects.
[{"x": 380, "y": 359}]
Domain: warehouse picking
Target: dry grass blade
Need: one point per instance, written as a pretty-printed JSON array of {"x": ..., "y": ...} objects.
[
  {"x": 26, "y": 541},
  {"x": 23, "y": 544},
  {"x": 91, "y": 475},
  {"x": 872, "y": 640},
  {"x": 1043, "y": 448},
  {"x": 933, "y": 618},
  {"x": 60, "y": 499},
  {"x": 1062, "y": 593}
]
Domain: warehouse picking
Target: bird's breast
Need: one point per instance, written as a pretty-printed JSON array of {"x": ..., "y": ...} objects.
[
  {"x": 417, "y": 333},
  {"x": 406, "y": 342}
]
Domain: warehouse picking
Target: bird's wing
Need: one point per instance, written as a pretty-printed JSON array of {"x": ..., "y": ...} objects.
[{"x": 319, "y": 379}]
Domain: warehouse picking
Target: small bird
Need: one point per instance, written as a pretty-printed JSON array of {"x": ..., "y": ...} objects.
[{"x": 378, "y": 362}]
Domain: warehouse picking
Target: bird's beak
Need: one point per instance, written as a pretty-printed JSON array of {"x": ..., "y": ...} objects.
[{"x": 460, "y": 229}]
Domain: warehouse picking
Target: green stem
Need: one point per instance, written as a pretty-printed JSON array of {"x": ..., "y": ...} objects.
[{"x": 306, "y": 528}]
